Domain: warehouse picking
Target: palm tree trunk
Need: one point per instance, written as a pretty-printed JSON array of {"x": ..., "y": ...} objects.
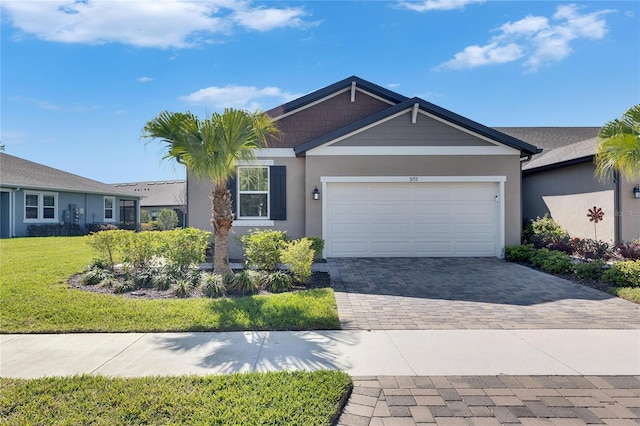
[{"x": 221, "y": 219}]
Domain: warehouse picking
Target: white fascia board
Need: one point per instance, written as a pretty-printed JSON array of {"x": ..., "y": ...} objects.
[
  {"x": 275, "y": 152},
  {"x": 402, "y": 179},
  {"x": 462, "y": 129},
  {"x": 346, "y": 89},
  {"x": 412, "y": 150},
  {"x": 255, "y": 163}
]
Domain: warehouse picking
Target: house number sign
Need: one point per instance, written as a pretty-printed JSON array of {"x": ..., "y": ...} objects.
[{"x": 413, "y": 178}]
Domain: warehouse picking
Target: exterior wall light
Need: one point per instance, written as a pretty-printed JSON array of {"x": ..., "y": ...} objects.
[
  {"x": 316, "y": 193},
  {"x": 636, "y": 191}
]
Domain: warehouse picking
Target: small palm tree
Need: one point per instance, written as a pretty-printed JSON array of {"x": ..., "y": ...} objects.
[
  {"x": 619, "y": 146},
  {"x": 210, "y": 149}
]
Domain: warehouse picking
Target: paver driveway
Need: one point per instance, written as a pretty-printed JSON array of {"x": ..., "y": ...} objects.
[{"x": 467, "y": 293}]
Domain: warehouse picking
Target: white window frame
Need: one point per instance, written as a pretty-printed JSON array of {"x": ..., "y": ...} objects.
[
  {"x": 41, "y": 207},
  {"x": 113, "y": 209},
  {"x": 240, "y": 193}
]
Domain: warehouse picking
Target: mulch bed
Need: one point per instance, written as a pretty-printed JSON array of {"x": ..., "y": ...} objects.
[{"x": 317, "y": 280}]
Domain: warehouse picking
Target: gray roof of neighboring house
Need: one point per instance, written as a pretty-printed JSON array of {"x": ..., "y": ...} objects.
[
  {"x": 560, "y": 145},
  {"x": 157, "y": 193},
  {"x": 20, "y": 173}
]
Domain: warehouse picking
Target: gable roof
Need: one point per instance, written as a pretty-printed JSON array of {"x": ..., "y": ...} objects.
[
  {"x": 443, "y": 114},
  {"x": 157, "y": 193},
  {"x": 20, "y": 173},
  {"x": 561, "y": 146},
  {"x": 308, "y": 99}
]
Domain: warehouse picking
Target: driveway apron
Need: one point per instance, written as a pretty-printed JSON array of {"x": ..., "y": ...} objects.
[{"x": 467, "y": 293}]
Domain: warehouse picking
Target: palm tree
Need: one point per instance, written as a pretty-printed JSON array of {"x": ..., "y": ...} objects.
[
  {"x": 210, "y": 149},
  {"x": 619, "y": 146}
]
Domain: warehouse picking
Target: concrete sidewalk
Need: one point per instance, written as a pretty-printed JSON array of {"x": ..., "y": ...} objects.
[{"x": 358, "y": 352}]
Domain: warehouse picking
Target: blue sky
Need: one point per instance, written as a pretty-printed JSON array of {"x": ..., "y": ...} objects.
[{"x": 80, "y": 79}]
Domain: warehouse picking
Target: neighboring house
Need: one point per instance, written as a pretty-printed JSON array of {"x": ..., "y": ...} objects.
[
  {"x": 34, "y": 194},
  {"x": 168, "y": 194},
  {"x": 375, "y": 173},
  {"x": 560, "y": 182}
]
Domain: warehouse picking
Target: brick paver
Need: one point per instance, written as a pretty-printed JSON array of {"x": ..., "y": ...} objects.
[
  {"x": 467, "y": 293},
  {"x": 471, "y": 400}
]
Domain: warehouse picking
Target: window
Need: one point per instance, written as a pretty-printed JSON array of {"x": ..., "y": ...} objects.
[
  {"x": 109, "y": 215},
  {"x": 40, "y": 206},
  {"x": 253, "y": 192}
]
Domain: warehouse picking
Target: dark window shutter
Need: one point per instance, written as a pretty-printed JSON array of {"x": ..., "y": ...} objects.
[
  {"x": 232, "y": 185},
  {"x": 278, "y": 192}
]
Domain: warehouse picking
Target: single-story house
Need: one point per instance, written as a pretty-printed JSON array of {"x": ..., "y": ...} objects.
[
  {"x": 32, "y": 194},
  {"x": 560, "y": 182},
  {"x": 375, "y": 173},
  {"x": 158, "y": 195}
]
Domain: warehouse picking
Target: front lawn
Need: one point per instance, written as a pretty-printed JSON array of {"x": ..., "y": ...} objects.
[
  {"x": 282, "y": 398},
  {"x": 35, "y": 298}
]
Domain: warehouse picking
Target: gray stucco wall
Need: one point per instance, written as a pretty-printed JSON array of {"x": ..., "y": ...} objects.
[
  {"x": 629, "y": 212},
  {"x": 478, "y": 165},
  {"x": 566, "y": 194},
  {"x": 199, "y": 199},
  {"x": 92, "y": 204}
]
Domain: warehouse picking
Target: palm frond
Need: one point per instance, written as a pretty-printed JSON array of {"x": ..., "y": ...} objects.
[{"x": 619, "y": 147}]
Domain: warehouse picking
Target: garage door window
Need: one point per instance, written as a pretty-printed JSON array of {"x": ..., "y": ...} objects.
[{"x": 253, "y": 192}]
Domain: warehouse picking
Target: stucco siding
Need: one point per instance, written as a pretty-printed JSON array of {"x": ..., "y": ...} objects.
[
  {"x": 508, "y": 166},
  {"x": 401, "y": 132},
  {"x": 629, "y": 212},
  {"x": 566, "y": 194},
  {"x": 199, "y": 199}
]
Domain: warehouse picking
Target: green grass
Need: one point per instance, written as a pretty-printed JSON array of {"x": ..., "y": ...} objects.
[
  {"x": 35, "y": 298},
  {"x": 283, "y": 398},
  {"x": 631, "y": 294}
]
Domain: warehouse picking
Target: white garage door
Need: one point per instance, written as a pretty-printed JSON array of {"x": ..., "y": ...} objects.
[{"x": 411, "y": 219}]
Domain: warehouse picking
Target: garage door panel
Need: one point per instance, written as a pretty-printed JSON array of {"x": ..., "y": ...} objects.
[
  {"x": 411, "y": 219},
  {"x": 387, "y": 248}
]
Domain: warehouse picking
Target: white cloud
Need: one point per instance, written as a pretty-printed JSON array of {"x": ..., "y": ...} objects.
[
  {"x": 46, "y": 105},
  {"x": 143, "y": 23},
  {"x": 536, "y": 39},
  {"x": 246, "y": 97},
  {"x": 428, "y": 5},
  {"x": 145, "y": 79}
]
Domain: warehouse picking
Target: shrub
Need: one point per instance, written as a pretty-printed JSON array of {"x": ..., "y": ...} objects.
[
  {"x": 298, "y": 256},
  {"x": 147, "y": 226},
  {"x": 317, "y": 245},
  {"x": 182, "y": 288},
  {"x": 109, "y": 245},
  {"x": 212, "y": 285},
  {"x": 262, "y": 248},
  {"x": 553, "y": 262},
  {"x": 184, "y": 247},
  {"x": 95, "y": 276},
  {"x": 629, "y": 250},
  {"x": 97, "y": 227},
  {"x": 544, "y": 231},
  {"x": 143, "y": 277},
  {"x": 521, "y": 253},
  {"x": 164, "y": 278},
  {"x": 277, "y": 281},
  {"x": 589, "y": 270},
  {"x": 245, "y": 282},
  {"x": 140, "y": 248},
  {"x": 145, "y": 216},
  {"x": 167, "y": 219},
  {"x": 123, "y": 286},
  {"x": 590, "y": 249},
  {"x": 624, "y": 274}
]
